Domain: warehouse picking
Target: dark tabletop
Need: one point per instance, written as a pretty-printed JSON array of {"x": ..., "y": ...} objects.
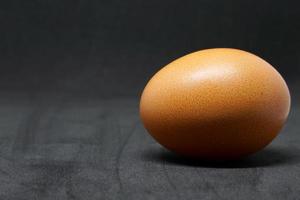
[{"x": 63, "y": 147}]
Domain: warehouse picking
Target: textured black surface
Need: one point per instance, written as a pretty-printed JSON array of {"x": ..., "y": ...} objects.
[{"x": 63, "y": 147}]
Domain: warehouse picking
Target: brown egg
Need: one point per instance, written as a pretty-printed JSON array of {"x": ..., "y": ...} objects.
[{"x": 215, "y": 104}]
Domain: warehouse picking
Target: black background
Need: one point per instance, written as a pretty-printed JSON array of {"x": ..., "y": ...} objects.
[
  {"x": 71, "y": 74},
  {"x": 111, "y": 48}
]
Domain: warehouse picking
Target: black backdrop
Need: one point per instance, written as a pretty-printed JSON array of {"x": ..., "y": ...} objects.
[{"x": 111, "y": 48}]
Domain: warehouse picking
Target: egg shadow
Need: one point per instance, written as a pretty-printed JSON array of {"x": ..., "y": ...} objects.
[{"x": 271, "y": 156}]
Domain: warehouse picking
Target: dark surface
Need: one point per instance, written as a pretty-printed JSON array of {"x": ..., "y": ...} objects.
[{"x": 62, "y": 147}]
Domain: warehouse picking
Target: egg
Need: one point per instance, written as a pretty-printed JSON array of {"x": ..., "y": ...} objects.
[{"x": 215, "y": 104}]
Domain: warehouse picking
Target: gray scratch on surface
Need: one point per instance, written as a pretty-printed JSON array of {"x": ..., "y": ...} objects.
[
  {"x": 69, "y": 189},
  {"x": 208, "y": 186},
  {"x": 27, "y": 132},
  {"x": 120, "y": 152},
  {"x": 170, "y": 182}
]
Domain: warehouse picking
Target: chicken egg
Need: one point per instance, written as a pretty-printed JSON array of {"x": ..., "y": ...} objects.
[{"x": 215, "y": 104}]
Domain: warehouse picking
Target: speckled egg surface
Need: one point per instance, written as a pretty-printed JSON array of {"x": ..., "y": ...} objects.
[{"x": 215, "y": 104}]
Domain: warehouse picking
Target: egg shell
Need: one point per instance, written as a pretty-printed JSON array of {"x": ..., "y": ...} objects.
[{"x": 215, "y": 104}]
